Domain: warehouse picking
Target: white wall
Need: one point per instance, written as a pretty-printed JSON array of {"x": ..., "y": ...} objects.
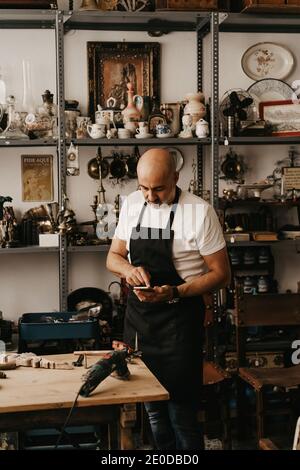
[{"x": 30, "y": 282}]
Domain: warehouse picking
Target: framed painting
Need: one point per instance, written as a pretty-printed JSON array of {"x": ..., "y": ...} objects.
[
  {"x": 111, "y": 65},
  {"x": 283, "y": 115},
  {"x": 37, "y": 178}
]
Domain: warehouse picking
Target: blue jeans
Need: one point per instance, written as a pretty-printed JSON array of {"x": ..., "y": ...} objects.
[{"x": 174, "y": 425}]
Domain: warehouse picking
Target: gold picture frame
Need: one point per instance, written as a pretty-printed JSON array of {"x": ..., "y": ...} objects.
[
  {"x": 111, "y": 65},
  {"x": 37, "y": 178},
  {"x": 282, "y": 115}
]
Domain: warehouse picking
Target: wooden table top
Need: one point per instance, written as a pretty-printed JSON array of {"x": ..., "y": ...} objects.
[{"x": 28, "y": 389}]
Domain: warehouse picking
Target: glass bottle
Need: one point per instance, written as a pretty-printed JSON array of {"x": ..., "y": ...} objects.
[
  {"x": 12, "y": 130},
  {"x": 27, "y": 102},
  {"x": 49, "y": 109},
  {"x": 2, "y": 102},
  {"x": 131, "y": 113},
  {"x": 2, "y": 90}
]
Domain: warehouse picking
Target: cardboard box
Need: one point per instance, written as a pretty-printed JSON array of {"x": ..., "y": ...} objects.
[
  {"x": 264, "y": 236},
  {"x": 237, "y": 237},
  {"x": 49, "y": 239},
  {"x": 271, "y": 6}
]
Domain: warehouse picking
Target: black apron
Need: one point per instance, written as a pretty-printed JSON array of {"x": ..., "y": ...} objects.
[{"x": 169, "y": 335}]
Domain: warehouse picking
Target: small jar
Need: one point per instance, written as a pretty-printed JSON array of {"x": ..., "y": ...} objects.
[
  {"x": 250, "y": 285},
  {"x": 234, "y": 257},
  {"x": 249, "y": 257},
  {"x": 263, "y": 256},
  {"x": 263, "y": 285},
  {"x": 41, "y": 125}
]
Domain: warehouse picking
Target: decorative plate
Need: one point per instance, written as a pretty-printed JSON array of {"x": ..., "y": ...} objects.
[
  {"x": 178, "y": 156},
  {"x": 270, "y": 89},
  {"x": 267, "y": 60},
  {"x": 164, "y": 136},
  {"x": 144, "y": 136}
]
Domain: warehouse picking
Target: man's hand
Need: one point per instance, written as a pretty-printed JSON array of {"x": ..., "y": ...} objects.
[
  {"x": 138, "y": 276},
  {"x": 159, "y": 294}
]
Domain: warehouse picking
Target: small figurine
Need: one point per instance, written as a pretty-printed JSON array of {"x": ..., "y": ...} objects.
[
  {"x": 187, "y": 122},
  {"x": 3, "y": 199}
]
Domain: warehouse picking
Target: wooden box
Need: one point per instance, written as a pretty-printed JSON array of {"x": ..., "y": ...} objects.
[
  {"x": 271, "y": 6},
  {"x": 180, "y": 5},
  {"x": 35, "y": 4}
]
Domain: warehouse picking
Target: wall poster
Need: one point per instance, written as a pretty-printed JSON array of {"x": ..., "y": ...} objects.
[{"x": 37, "y": 178}]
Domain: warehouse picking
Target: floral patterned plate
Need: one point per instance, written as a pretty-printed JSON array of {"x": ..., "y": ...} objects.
[
  {"x": 269, "y": 89},
  {"x": 267, "y": 60}
]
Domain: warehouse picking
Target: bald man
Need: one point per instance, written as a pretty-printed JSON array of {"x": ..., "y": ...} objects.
[{"x": 171, "y": 242}]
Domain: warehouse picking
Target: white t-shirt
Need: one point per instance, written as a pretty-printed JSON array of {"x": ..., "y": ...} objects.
[{"x": 197, "y": 231}]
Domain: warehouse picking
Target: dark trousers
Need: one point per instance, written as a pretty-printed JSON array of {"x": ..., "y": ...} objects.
[{"x": 174, "y": 425}]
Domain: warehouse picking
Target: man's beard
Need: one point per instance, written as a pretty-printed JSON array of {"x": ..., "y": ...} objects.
[
  {"x": 155, "y": 205},
  {"x": 158, "y": 204}
]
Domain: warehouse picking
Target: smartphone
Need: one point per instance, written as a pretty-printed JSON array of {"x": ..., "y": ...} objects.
[{"x": 144, "y": 288}]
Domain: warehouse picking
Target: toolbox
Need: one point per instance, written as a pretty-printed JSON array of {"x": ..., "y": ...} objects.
[{"x": 56, "y": 325}]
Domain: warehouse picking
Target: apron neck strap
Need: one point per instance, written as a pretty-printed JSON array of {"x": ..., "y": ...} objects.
[{"x": 173, "y": 208}]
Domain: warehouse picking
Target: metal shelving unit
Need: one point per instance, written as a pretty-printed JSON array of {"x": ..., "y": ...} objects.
[
  {"x": 140, "y": 142},
  {"x": 291, "y": 243},
  {"x": 242, "y": 23},
  {"x": 164, "y": 21},
  {"x": 261, "y": 23},
  {"x": 89, "y": 249},
  {"x": 40, "y": 19},
  {"x": 28, "y": 143},
  {"x": 61, "y": 152},
  {"x": 155, "y": 23},
  {"x": 29, "y": 250},
  {"x": 268, "y": 140},
  {"x": 27, "y": 19}
]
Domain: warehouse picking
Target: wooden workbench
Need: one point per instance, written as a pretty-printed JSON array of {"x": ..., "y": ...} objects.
[{"x": 37, "y": 398}]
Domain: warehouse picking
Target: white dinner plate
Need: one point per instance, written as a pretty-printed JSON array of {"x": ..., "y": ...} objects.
[
  {"x": 267, "y": 60},
  {"x": 178, "y": 157}
]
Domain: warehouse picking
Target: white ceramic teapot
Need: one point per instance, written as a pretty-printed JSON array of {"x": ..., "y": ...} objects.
[
  {"x": 95, "y": 131},
  {"x": 103, "y": 117},
  {"x": 202, "y": 128}
]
